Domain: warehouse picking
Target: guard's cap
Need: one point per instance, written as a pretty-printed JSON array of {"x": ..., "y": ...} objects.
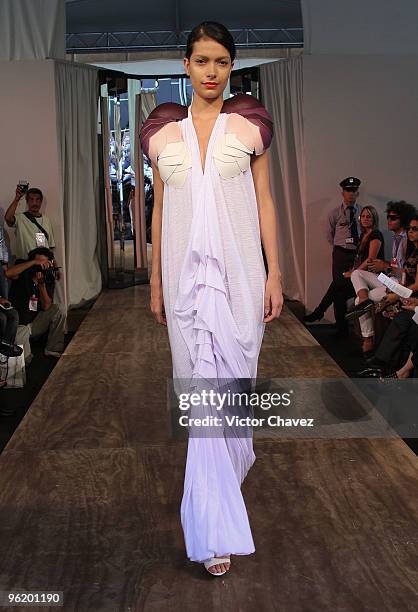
[{"x": 350, "y": 181}]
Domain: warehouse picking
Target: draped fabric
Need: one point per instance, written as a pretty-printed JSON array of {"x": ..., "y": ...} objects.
[
  {"x": 213, "y": 512},
  {"x": 213, "y": 285},
  {"x": 282, "y": 93},
  {"x": 77, "y": 100},
  {"x": 32, "y": 29}
]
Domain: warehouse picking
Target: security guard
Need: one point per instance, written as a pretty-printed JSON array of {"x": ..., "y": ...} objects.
[{"x": 344, "y": 228}]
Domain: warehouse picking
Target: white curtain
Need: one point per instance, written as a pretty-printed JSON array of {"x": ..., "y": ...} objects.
[
  {"x": 32, "y": 29},
  {"x": 77, "y": 93},
  {"x": 281, "y": 88},
  {"x": 355, "y": 26},
  {"x": 148, "y": 103}
]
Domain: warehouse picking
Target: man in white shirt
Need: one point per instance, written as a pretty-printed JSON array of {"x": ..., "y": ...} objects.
[{"x": 33, "y": 229}]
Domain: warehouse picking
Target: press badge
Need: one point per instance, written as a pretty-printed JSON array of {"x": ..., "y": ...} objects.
[
  {"x": 33, "y": 303},
  {"x": 40, "y": 239},
  {"x": 349, "y": 240}
]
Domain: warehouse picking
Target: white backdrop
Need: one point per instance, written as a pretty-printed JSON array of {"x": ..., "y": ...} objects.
[
  {"x": 360, "y": 119},
  {"x": 360, "y": 26},
  {"x": 32, "y": 29}
]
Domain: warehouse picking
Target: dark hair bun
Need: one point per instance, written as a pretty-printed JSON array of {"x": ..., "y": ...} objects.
[{"x": 214, "y": 30}]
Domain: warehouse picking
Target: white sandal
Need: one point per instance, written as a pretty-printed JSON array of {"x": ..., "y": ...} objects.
[{"x": 217, "y": 561}]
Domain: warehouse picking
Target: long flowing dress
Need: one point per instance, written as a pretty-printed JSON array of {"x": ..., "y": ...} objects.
[{"x": 213, "y": 279}]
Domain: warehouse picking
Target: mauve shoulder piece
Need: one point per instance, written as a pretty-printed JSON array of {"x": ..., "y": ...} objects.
[
  {"x": 160, "y": 116},
  {"x": 253, "y": 111}
]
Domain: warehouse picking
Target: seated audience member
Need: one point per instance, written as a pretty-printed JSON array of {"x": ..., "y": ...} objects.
[
  {"x": 397, "y": 354},
  {"x": 4, "y": 258},
  {"x": 368, "y": 288},
  {"x": 391, "y": 350},
  {"x": 31, "y": 293},
  {"x": 390, "y": 303},
  {"x": 9, "y": 320},
  {"x": 371, "y": 246},
  {"x": 411, "y": 367},
  {"x": 33, "y": 229}
]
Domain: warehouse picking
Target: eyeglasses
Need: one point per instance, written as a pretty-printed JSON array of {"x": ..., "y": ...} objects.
[
  {"x": 412, "y": 228},
  {"x": 392, "y": 217}
]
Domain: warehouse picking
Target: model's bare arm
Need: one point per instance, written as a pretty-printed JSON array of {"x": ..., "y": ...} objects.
[
  {"x": 273, "y": 301},
  {"x": 157, "y": 303}
]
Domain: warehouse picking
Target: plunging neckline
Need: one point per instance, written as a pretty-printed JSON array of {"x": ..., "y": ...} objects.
[{"x": 203, "y": 166}]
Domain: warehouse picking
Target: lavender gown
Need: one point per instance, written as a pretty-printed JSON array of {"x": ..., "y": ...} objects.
[{"x": 213, "y": 280}]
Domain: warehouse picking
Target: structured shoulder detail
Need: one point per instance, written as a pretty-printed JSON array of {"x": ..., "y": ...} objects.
[
  {"x": 231, "y": 156},
  {"x": 252, "y": 110},
  {"x": 240, "y": 102},
  {"x": 158, "y": 118},
  {"x": 174, "y": 162}
]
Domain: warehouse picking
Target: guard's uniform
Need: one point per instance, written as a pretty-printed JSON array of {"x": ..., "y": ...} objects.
[{"x": 344, "y": 231}]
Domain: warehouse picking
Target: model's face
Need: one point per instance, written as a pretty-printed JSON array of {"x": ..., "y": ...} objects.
[
  {"x": 209, "y": 68},
  {"x": 34, "y": 203},
  {"x": 350, "y": 197},
  {"x": 366, "y": 219}
]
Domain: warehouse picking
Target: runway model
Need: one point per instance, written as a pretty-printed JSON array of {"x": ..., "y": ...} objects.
[{"x": 212, "y": 205}]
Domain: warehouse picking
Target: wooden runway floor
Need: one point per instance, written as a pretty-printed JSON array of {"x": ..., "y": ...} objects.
[{"x": 91, "y": 484}]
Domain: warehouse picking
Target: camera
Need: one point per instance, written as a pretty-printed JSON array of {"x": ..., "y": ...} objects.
[
  {"x": 23, "y": 186},
  {"x": 49, "y": 274}
]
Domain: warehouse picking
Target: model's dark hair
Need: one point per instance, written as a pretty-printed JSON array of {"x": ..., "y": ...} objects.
[
  {"x": 214, "y": 30},
  {"x": 404, "y": 210},
  {"x": 41, "y": 251},
  {"x": 35, "y": 191}
]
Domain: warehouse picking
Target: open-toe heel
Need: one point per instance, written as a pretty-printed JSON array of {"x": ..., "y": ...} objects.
[{"x": 217, "y": 561}]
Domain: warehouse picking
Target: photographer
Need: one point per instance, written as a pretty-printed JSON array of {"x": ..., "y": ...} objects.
[
  {"x": 33, "y": 229},
  {"x": 31, "y": 292}
]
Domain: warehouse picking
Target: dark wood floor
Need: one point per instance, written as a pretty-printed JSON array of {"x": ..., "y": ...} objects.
[{"x": 91, "y": 482}]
